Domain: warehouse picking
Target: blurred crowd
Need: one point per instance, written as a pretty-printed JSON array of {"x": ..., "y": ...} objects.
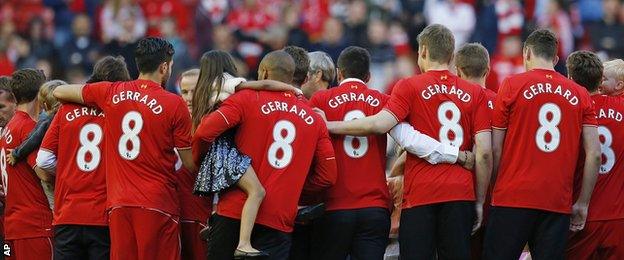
[{"x": 65, "y": 37}]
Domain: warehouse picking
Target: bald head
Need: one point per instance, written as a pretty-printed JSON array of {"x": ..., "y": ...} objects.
[{"x": 277, "y": 65}]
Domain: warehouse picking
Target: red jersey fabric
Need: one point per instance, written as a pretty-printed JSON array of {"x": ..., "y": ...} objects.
[
  {"x": 27, "y": 213},
  {"x": 544, "y": 113},
  {"x": 361, "y": 161},
  {"x": 76, "y": 137},
  {"x": 607, "y": 201},
  {"x": 283, "y": 136},
  {"x": 491, "y": 98},
  {"x": 192, "y": 207},
  {"x": 144, "y": 125},
  {"x": 450, "y": 109}
]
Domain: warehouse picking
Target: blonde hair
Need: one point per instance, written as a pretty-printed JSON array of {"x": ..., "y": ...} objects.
[
  {"x": 614, "y": 68},
  {"x": 49, "y": 102}
]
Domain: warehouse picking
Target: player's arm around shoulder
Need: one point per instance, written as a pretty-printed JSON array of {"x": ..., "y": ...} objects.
[{"x": 69, "y": 93}]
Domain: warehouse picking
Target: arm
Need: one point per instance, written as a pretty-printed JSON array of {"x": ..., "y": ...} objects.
[
  {"x": 325, "y": 170},
  {"x": 593, "y": 158},
  {"x": 186, "y": 155},
  {"x": 422, "y": 145},
  {"x": 69, "y": 93},
  {"x": 270, "y": 85},
  {"x": 33, "y": 141},
  {"x": 483, "y": 171},
  {"x": 379, "y": 123},
  {"x": 43, "y": 175},
  {"x": 498, "y": 139},
  {"x": 46, "y": 161},
  {"x": 399, "y": 165}
]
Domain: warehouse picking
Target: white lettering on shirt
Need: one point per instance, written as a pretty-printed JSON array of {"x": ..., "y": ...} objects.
[
  {"x": 435, "y": 89},
  {"x": 84, "y": 111},
  {"x": 138, "y": 97},
  {"x": 273, "y": 106},
  {"x": 540, "y": 88},
  {"x": 353, "y": 97},
  {"x": 610, "y": 114}
]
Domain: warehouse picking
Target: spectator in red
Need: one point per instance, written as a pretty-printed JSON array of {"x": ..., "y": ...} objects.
[
  {"x": 510, "y": 18},
  {"x": 156, "y": 10},
  {"x": 506, "y": 62},
  {"x": 557, "y": 19},
  {"x": 313, "y": 15},
  {"x": 250, "y": 17}
]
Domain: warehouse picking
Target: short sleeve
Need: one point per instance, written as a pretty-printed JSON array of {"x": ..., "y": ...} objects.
[
  {"x": 399, "y": 102},
  {"x": 51, "y": 139},
  {"x": 589, "y": 111},
  {"x": 96, "y": 94},
  {"x": 482, "y": 114},
  {"x": 502, "y": 106},
  {"x": 182, "y": 127}
]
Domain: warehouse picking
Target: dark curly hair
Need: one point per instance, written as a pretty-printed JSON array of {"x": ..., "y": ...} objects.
[{"x": 150, "y": 52}]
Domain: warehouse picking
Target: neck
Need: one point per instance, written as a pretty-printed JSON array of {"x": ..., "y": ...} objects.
[
  {"x": 31, "y": 108},
  {"x": 478, "y": 81},
  {"x": 436, "y": 66},
  {"x": 150, "y": 76},
  {"x": 541, "y": 64}
]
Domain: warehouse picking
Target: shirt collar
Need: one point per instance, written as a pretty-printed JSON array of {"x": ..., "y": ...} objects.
[{"x": 352, "y": 80}]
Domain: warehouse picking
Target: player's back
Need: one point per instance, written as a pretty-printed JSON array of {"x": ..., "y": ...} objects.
[
  {"x": 76, "y": 137},
  {"x": 145, "y": 123},
  {"x": 361, "y": 161},
  {"x": 543, "y": 114},
  {"x": 27, "y": 212},
  {"x": 607, "y": 200},
  {"x": 451, "y": 110},
  {"x": 280, "y": 133}
]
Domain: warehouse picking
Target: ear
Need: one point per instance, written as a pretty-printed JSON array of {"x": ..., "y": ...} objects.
[
  {"x": 163, "y": 67},
  {"x": 339, "y": 75},
  {"x": 619, "y": 85},
  {"x": 422, "y": 52},
  {"x": 487, "y": 72},
  {"x": 556, "y": 60},
  {"x": 367, "y": 78}
]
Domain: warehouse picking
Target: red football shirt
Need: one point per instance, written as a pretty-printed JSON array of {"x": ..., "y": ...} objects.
[
  {"x": 192, "y": 207},
  {"x": 144, "y": 125},
  {"x": 76, "y": 137},
  {"x": 607, "y": 201},
  {"x": 544, "y": 113},
  {"x": 27, "y": 213},
  {"x": 282, "y": 135},
  {"x": 491, "y": 98},
  {"x": 452, "y": 110},
  {"x": 361, "y": 161}
]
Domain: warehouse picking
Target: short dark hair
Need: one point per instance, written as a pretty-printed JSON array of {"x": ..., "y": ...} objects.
[
  {"x": 25, "y": 84},
  {"x": 302, "y": 63},
  {"x": 439, "y": 41},
  {"x": 473, "y": 60},
  {"x": 150, "y": 52},
  {"x": 110, "y": 69},
  {"x": 586, "y": 69},
  {"x": 354, "y": 62},
  {"x": 5, "y": 87},
  {"x": 543, "y": 43}
]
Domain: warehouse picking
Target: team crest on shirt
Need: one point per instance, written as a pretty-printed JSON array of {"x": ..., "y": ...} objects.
[
  {"x": 354, "y": 86},
  {"x": 7, "y": 249},
  {"x": 548, "y": 76},
  {"x": 287, "y": 95},
  {"x": 143, "y": 86},
  {"x": 443, "y": 77}
]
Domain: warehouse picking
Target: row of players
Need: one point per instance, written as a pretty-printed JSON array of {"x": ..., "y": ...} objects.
[{"x": 539, "y": 116}]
